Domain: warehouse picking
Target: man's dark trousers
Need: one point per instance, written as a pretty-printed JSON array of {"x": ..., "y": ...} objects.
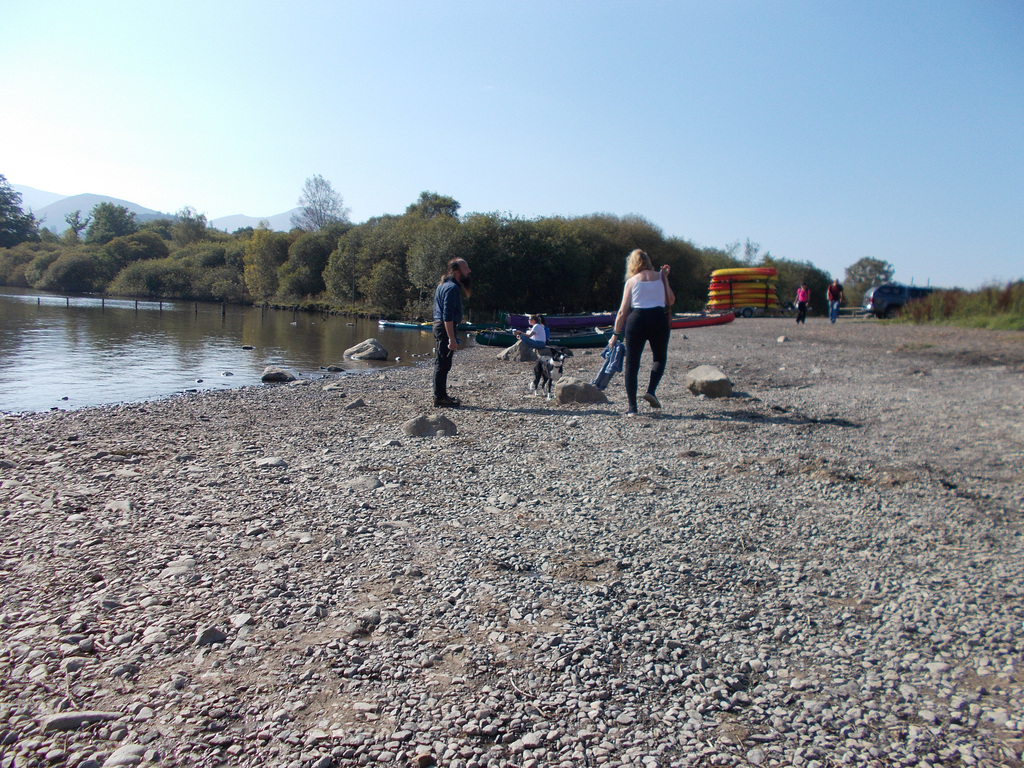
[{"x": 442, "y": 361}]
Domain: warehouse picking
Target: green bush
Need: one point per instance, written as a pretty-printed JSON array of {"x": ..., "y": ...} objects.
[
  {"x": 996, "y": 307},
  {"x": 74, "y": 272},
  {"x": 165, "y": 278},
  {"x": 14, "y": 262}
]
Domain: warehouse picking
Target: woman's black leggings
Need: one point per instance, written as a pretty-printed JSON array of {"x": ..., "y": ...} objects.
[{"x": 645, "y": 325}]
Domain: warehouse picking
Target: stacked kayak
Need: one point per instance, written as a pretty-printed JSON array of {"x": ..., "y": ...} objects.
[{"x": 742, "y": 287}]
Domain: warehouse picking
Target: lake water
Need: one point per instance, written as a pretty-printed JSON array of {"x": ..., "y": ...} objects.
[{"x": 67, "y": 353}]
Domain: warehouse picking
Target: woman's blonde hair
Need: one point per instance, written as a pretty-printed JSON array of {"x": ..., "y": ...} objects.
[{"x": 638, "y": 261}]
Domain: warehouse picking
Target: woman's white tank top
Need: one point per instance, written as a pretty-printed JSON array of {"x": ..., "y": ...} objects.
[{"x": 646, "y": 294}]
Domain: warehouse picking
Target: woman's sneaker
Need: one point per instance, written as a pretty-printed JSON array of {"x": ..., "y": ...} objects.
[{"x": 652, "y": 399}]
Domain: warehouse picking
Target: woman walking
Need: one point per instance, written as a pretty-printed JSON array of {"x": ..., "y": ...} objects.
[
  {"x": 803, "y": 296},
  {"x": 643, "y": 318}
]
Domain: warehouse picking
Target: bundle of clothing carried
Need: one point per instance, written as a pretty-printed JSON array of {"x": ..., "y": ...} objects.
[{"x": 613, "y": 355}]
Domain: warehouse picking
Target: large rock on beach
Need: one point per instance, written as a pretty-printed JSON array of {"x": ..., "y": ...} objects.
[
  {"x": 274, "y": 375},
  {"x": 371, "y": 349},
  {"x": 69, "y": 721},
  {"x": 430, "y": 426},
  {"x": 570, "y": 390},
  {"x": 708, "y": 380},
  {"x": 518, "y": 353}
]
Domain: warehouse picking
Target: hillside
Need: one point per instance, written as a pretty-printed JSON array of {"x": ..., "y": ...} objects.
[
  {"x": 280, "y": 222},
  {"x": 52, "y": 215},
  {"x": 50, "y": 208}
]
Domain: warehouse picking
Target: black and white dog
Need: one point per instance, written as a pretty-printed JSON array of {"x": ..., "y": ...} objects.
[{"x": 549, "y": 360}]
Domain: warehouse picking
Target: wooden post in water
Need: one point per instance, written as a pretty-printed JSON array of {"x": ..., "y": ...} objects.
[
  {"x": 197, "y": 309},
  {"x": 161, "y": 305},
  {"x": 67, "y": 301}
]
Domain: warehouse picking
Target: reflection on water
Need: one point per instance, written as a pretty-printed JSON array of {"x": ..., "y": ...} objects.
[{"x": 71, "y": 353}]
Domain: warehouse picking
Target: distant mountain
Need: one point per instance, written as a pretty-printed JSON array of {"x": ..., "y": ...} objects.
[
  {"x": 281, "y": 222},
  {"x": 52, "y": 215},
  {"x": 50, "y": 208},
  {"x": 34, "y": 199}
]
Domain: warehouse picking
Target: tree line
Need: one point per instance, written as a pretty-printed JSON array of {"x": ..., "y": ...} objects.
[{"x": 387, "y": 265}]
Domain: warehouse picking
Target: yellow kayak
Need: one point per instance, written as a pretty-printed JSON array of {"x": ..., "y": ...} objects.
[
  {"x": 745, "y": 292},
  {"x": 753, "y": 271}
]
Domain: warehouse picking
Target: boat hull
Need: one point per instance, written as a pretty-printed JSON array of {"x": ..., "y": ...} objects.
[
  {"x": 429, "y": 326},
  {"x": 570, "y": 340},
  {"x": 562, "y": 322},
  {"x": 702, "y": 320},
  {"x": 746, "y": 272}
]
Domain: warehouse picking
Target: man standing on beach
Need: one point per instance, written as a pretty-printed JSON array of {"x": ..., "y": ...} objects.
[
  {"x": 834, "y": 294},
  {"x": 447, "y": 316}
]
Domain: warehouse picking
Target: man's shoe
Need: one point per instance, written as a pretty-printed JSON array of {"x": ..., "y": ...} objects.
[
  {"x": 652, "y": 399},
  {"x": 446, "y": 402}
]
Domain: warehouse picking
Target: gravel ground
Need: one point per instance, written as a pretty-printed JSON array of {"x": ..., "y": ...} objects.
[{"x": 823, "y": 569}]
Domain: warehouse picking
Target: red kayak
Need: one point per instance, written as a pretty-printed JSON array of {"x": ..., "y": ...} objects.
[{"x": 702, "y": 319}]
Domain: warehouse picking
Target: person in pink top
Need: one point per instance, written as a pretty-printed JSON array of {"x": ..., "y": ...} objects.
[{"x": 803, "y": 295}]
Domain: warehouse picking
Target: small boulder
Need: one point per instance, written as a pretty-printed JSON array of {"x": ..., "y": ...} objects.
[
  {"x": 272, "y": 374},
  {"x": 70, "y": 721},
  {"x": 271, "y": 461},
  {"x": 371, "y": 349},
  {"x": 126, "y": 755},
  {"x": 429, "y": 426},
  {"x": 570, "y": 390},
  {"x": 519, "y": 353},
  {"x": 708, "y": 380},
  {"x": 210, "y": 636},
  {"x": 363, "y": 483}
]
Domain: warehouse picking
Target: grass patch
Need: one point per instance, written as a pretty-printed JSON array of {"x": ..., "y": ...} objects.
[{"x": 992, "y": 307}]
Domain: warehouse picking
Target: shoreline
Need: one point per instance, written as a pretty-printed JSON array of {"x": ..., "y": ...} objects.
[{"x": 826, "y": 566}]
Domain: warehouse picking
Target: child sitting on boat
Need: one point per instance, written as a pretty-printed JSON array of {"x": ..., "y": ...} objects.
[{"x": 537, "y": 336}]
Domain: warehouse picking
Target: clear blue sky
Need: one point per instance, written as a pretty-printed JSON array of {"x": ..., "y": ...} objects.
[{"x": 825, "y": 131}]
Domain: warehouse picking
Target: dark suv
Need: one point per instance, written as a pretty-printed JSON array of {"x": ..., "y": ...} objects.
[{"x": 889, "y": 298}]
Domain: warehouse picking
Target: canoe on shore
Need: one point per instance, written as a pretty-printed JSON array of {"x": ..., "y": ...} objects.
[
  {"x": 403, "y": 325},
  {"x": 702, "y": 319},
  {"x": 561, "y": 322},
  {"x": 412, "y": 326},
  {"x": 599, "y": 337},
  {"x": 572, "y": 339}
]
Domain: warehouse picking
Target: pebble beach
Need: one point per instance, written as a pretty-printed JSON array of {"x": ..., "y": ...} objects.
[{"x": 823, "y": 569}]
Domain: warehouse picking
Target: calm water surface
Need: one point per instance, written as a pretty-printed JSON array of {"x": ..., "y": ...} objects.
[{"x": 71, "y": 353}]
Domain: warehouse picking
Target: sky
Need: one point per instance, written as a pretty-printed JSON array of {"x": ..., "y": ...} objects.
[{"x": 822, "y": 131}]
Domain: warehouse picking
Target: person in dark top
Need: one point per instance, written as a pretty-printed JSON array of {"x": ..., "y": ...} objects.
[
  {"x": 834, "y": 295},
  {"x": 447, "y": 316}
]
